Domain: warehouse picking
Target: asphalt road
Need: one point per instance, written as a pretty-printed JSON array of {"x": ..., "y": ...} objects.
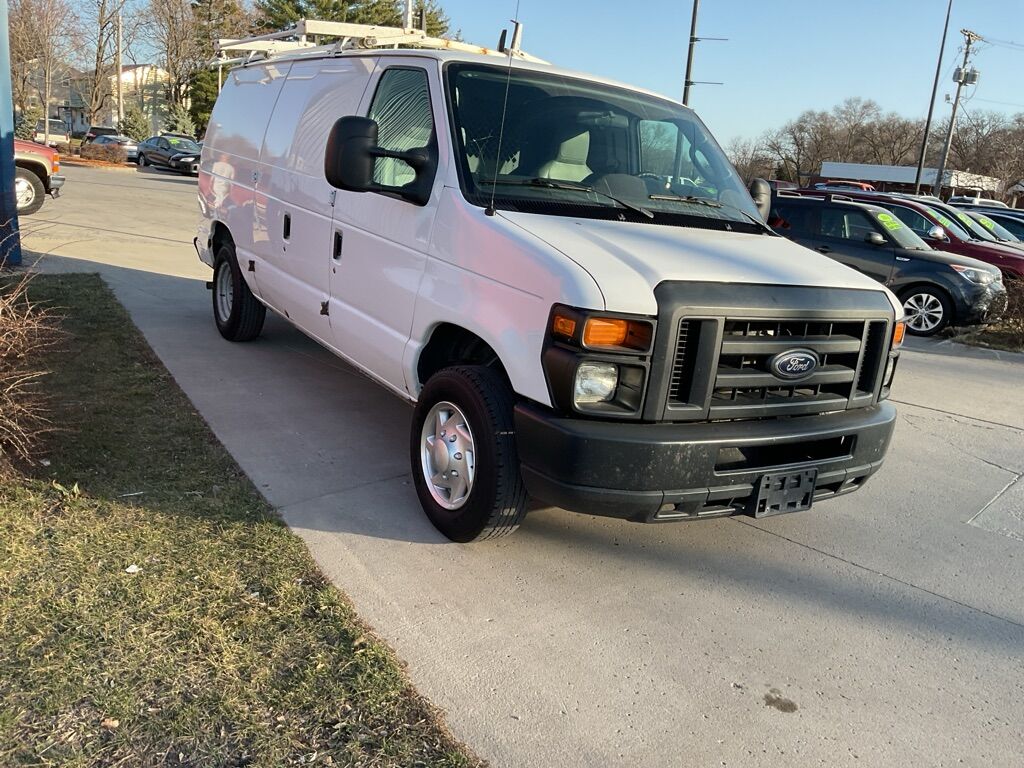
[{"x": 884, "y": 628}]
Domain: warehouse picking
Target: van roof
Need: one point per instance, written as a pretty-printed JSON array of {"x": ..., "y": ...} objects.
[{"x": 276, "y": 47}]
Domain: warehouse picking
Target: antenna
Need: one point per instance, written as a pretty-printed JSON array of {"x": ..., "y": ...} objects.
[{"x": 517, "y": 34}]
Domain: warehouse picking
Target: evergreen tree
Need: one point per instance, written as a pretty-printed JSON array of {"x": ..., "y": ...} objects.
[
  {"x": 25, "y": 127},
  {"x": 279, "y": 14},
  {"x": 135, "y": 124},
  {"x": 202, "y": 95},
  {"x": 179, "y": 121}
]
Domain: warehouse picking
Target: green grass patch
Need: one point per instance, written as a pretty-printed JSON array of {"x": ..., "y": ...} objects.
[{"x": 154, "y": 610}]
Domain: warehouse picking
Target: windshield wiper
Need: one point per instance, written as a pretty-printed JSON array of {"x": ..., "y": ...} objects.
[
  {"x": 553, "y": 184},
  {"x": 714, "y": 204}
]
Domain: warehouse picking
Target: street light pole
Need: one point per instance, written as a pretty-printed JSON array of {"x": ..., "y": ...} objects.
[
  {"x": 969, "y": 38},
  {"x": 689, "y": 56},
  {"x": 10, "y": 238},
  {"x": 931, "y": 104}
]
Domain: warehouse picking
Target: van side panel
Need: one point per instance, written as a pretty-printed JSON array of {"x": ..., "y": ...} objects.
[
  {"x": 230, "y": 159},
  {"x": 295, "y": 194}
]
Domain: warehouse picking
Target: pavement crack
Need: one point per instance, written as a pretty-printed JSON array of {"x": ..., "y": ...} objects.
[
  {"x": 347, "y": 489},
  {"x": 1016, "y": 477},
  {"x": 882, "y": 575},
  {"x": 960, "y": 415}
]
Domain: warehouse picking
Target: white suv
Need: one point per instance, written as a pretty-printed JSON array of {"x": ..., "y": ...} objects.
[{"x": 564, "y": 274}]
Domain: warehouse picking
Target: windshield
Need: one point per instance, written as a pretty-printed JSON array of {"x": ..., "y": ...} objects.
[
  {"x": 993, "y": 226},
  {"x": 579, "y": 148},
  {"x": 182, "y": 145},
  {"x": 954, "y": 229},
  {"x": 904, "y": 236},
  {"x": 977, "y": 232}
]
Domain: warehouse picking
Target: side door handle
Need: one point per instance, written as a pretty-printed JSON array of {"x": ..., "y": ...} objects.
[
  {"x": 823, "y": 249},
  {"x": 336, "y": 251}
]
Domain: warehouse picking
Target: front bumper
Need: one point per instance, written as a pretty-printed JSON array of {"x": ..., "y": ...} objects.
[
  {"x": 661, "y": 472},
  {"x": 190, "y": 166},
  {"x": 54, "y": 183}
]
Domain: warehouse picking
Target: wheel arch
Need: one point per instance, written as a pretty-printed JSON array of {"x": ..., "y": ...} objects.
[
  {"x": 450, "y": 344},
  {"x": 36, "y": 166}
]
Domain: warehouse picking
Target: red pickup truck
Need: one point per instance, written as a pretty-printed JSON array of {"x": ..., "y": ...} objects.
[{"x": 37, "y": 174}]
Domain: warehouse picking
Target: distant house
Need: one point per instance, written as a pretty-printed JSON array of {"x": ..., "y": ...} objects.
[{"x": 144, "y": 85}]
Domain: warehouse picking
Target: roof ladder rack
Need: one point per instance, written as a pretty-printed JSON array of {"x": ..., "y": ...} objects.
[{"x": 304, "y": 39}]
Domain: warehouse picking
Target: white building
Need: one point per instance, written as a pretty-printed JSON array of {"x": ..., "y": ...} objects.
[{"x": 885, "y": 177}]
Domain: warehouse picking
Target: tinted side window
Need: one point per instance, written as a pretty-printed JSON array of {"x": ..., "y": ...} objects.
[
  {"x": 846, "y": 223},
  {"x": 401, "y": 108},
  {"x": 794, "y": 219}
]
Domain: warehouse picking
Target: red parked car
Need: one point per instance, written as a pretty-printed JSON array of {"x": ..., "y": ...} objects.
[
  {"x": 36, "y": 174},
  {"x": 925, "y": 221}
]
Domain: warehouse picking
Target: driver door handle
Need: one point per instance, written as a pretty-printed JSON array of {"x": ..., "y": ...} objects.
[
  {"x": 336, "y": 250},
  {"x": 823, "y": 249}
]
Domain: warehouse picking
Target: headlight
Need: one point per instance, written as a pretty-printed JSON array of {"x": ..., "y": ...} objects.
[
  {"x": 979, "y": 276},
  {"x": 595, "y": 383}
]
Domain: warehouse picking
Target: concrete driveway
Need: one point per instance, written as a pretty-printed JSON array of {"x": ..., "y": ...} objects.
[{"x": 884, "y": 628}]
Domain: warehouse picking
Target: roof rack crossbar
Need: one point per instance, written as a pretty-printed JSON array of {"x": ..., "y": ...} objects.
[{"x": 295, "y": 41}]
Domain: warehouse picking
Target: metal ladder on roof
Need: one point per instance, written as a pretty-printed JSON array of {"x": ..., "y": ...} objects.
[{"x": 304, "y": 39}]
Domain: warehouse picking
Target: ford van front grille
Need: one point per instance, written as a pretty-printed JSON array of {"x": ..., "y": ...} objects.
[{"x": 823, "y": 352}]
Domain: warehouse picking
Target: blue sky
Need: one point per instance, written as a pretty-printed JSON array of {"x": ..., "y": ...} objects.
[{"x": 782, "y": 56}]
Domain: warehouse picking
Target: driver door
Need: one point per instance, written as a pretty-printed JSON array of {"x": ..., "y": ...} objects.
[{"x": 380, "y": 241}]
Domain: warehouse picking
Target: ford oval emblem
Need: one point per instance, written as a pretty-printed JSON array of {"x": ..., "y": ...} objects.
[{"x": 794, "y": 364}]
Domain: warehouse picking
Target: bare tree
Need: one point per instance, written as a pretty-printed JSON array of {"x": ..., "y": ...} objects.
[
  {"x": 892, "y": 140},
  {"x": 97, "y": 29},
  {"x": 174, "y": 31},
  {"x": 750, "y": 158}
]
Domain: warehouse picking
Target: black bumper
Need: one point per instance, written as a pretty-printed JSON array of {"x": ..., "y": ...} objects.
[{"x": 660, "y": 472}]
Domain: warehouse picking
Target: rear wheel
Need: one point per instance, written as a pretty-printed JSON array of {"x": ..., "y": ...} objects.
[
  {"x": 141, "y": 160},
  {"x": 28, "y": 191},
  {"x": 928, "y": 310},
  {"x": 238, "y": 313},
  {"x": 463, "y": 451}
]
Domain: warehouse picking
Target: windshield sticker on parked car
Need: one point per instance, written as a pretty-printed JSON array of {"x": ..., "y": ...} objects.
[
  {"x": 889, "y": 221},
  {"x": 943, "y": 220},
  {"x": 965, "y": 219},
  {"x": 986, "y": 222}
]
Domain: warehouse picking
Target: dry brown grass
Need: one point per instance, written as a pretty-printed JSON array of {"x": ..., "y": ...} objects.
[{"x": 1008, "y": 331}]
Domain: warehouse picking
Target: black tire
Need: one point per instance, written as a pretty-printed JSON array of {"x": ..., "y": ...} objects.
[
  {"x": 240, "y": 317},
  {"x": 32, "y": 193},
  {"x": 938, "y": 298},
  {"x": 496, "y": 502}
]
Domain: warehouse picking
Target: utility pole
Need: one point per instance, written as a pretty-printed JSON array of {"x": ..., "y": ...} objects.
[
  {"x": 120, "y": 91},
  {"x": 10, "y": 238},
  {"x": 931, "y": 104},
  {"x": 689, "y": 55},
  {"x": 962, "y": 77}
]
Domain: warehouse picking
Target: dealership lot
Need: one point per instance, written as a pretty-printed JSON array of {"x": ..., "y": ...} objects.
[{"x": 883, "y": 628}]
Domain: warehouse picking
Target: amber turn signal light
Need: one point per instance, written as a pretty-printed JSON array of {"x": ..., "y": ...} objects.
[
  {"x": 897, "y": 334},
  {"x": 605, "y": 332},
  {"x": 563, "y": 326}
]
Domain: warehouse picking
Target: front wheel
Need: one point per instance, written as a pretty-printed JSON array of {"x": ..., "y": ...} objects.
[
  {"x": 927, "y": 310},
  {"x": 238, "y": 313},
  {"x": 29, "y": 192},
  {"x": 465, "y": 465},
  {"x": 141, "y": 161}
]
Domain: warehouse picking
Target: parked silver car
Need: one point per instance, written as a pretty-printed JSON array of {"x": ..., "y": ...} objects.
[{"x": 131, "y": 147}]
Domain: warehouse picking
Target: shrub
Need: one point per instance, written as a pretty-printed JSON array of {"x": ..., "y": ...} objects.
[
  {"x": 26, "y": 331},
  {"x": 1013, "y": 317},
  {"x": 111, "y": 153},
  {"x": 63, "y": 148}
]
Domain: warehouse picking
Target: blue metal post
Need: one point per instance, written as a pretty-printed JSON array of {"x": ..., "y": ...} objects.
[{"x": 10, "y": 239}]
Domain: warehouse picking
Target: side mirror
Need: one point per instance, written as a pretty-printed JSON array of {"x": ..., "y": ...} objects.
[
  {"x": 351, "y": 157},
  {"x": 937, "y": 233},
  {"x": 875, "y": 238},
  {"x": 761, "y": 193},
  {"x": 348, "y": 161}
]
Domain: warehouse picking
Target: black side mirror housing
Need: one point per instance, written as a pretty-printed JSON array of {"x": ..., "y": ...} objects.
[
  {"x": 351, "y": 157},
  {"x": 761, "y": 193},
  {"x": 875, "y": 238}
]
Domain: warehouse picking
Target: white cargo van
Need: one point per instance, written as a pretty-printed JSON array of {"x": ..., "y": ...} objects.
[{"x": 564, "y": 274}]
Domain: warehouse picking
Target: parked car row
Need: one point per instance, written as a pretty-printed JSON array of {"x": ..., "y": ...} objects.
[{"x": 945, "y": 265}]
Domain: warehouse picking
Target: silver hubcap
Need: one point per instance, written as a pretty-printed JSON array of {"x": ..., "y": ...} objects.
[
  {"x": 225, "y": 292},
  {"x": 447, "y": 455},
  {"x": 924, "y": 312},
  {"x": 24, "y": 193}
]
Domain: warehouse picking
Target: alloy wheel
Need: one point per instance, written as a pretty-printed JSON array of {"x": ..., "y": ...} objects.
[{"x": 924, "y": 312}]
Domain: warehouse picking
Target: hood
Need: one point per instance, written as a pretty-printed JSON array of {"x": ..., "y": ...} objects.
[
  {"x": 30, "y": 147},
  {"x": 628, "y": 260}
]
